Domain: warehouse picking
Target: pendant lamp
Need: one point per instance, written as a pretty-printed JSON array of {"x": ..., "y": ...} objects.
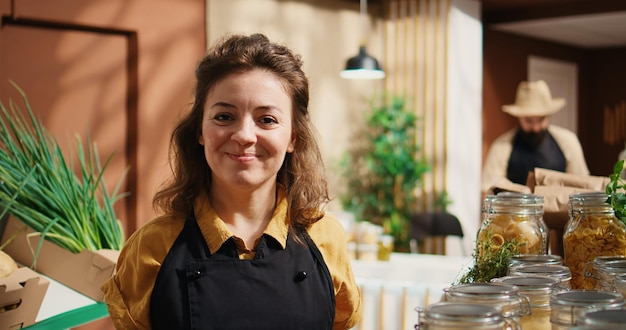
[{"x": 363, "y": 65}]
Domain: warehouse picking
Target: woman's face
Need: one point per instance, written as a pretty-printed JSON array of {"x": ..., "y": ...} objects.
[{"x": 247, "y": 129}]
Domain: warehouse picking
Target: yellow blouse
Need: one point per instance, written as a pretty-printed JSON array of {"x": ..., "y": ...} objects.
[{"x": 127, "y": 293}]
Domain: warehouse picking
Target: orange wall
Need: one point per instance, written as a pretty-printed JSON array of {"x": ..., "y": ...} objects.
[{"x": 78, "y": 80}]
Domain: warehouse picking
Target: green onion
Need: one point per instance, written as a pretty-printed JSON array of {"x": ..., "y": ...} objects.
[{"x": 71, "y": 208}]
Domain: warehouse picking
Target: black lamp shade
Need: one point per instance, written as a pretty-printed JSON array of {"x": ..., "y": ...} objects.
[{"x": 362, "y": 66}]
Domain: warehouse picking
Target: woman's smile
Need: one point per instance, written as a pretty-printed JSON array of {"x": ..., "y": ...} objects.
[{"x": 243, "y": 157}]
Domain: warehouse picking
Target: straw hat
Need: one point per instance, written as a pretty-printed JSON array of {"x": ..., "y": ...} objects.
[{"x": 533, "y": 99}]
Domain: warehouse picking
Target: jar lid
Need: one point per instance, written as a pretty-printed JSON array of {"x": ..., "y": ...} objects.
[
  {"x": 615, "y": 266},
  {"x": 591, "y": 198},
  {"x": 605, "y": 317},
  {"x": 589, "y": 195},
  {"x": 463, "y": 312},
  {"x": 514, "y": 203},
  {"x": 587, "y": 299},
  {"x": 484, "y": 290},
  {"x": 546, "y": 259},
  {"x": 529, "y": 282},
  {"x": 515, "y": 198},
  {"x": 561, "y": 272},
  {"x": 603, "y": 259}
]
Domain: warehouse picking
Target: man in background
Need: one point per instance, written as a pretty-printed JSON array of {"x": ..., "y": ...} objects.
[{"x": 534, "y": 143}]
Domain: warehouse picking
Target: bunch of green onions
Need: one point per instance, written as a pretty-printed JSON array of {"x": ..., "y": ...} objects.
[{"x": 72, "y": 209}]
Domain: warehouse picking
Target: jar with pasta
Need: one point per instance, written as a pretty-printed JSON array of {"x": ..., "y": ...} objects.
[
  {"x": 514, "y": 223},
  {"x": 591, "y": 231}
]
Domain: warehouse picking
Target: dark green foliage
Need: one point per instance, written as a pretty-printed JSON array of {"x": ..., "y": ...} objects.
[
  {"x": 615, "y": 190},
  {"x": 384, "y": 170}
]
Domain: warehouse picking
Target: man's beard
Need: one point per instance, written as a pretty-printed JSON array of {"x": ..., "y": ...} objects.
[{"x": 533, "y": 139}]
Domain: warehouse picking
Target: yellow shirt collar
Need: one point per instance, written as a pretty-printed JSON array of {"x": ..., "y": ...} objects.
[{"x": 215, "y": 231}]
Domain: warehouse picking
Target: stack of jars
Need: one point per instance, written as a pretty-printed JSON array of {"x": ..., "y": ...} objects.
[{"x": 584, "y": 290}]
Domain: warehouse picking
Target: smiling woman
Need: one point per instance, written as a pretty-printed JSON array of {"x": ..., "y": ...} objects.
[{"x": 243, "y": 220}]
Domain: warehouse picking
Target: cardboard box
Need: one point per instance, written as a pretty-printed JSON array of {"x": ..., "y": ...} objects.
[
  {"x": 84, "y": 272},
  {"x": 21, "y": 296}
]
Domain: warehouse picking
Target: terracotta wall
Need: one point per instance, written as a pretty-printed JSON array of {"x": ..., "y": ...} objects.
[
  {"x": 119, "y": 72},
  {"x": 601, "y": 75}
]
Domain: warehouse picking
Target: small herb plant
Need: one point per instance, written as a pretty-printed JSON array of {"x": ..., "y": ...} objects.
[
  {"x": 490, "y": 261},
  {"x": 38, "y": 187},
  {"x": 615, "y": 190}
]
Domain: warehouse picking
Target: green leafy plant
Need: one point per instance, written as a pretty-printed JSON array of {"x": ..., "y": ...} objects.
[
  {"x": 615, "y": 190},
  {"x": 72, "y": 209},
  {"x": 383, "y": 169}
]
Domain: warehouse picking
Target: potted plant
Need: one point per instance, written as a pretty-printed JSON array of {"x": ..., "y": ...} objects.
[{"x": 383, "y": 169}]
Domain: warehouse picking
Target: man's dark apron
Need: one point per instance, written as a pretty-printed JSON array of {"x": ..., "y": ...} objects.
[
  {"x": 524, "y": 159},
  {"x": 287, "y": 288}
]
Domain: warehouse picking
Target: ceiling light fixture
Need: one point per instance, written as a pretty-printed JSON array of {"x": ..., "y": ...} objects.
[{"x": 363, "y": 65}]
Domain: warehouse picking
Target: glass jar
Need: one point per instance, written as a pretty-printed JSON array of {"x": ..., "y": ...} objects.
[
  {"x": 598, "y": 261},
  {"x": 534, "y": 259},
  {"x": 606, "y": 272},
  {"x": 568, "y": 308},
  {"x": 385, "y": 247},
  {"x": 450, "y": 315},
  {"x": 607, "y": 319},
  {"x": 538, "y": 290},
  {"x": 504, "y": 297},
  {"x": 591, "y": 231},
  {"x": 620, "y": 284},
  {"x": 604, "y": 269},
  {"x": 559, "y": 272},
  {"x": 512, "y": 221},
  {"x": 367, "y": 252}
]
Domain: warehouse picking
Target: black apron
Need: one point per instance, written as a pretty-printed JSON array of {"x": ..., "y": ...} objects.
[
  {"x": 525, "y": 159},
  {"x": 287, "y": 288}
]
